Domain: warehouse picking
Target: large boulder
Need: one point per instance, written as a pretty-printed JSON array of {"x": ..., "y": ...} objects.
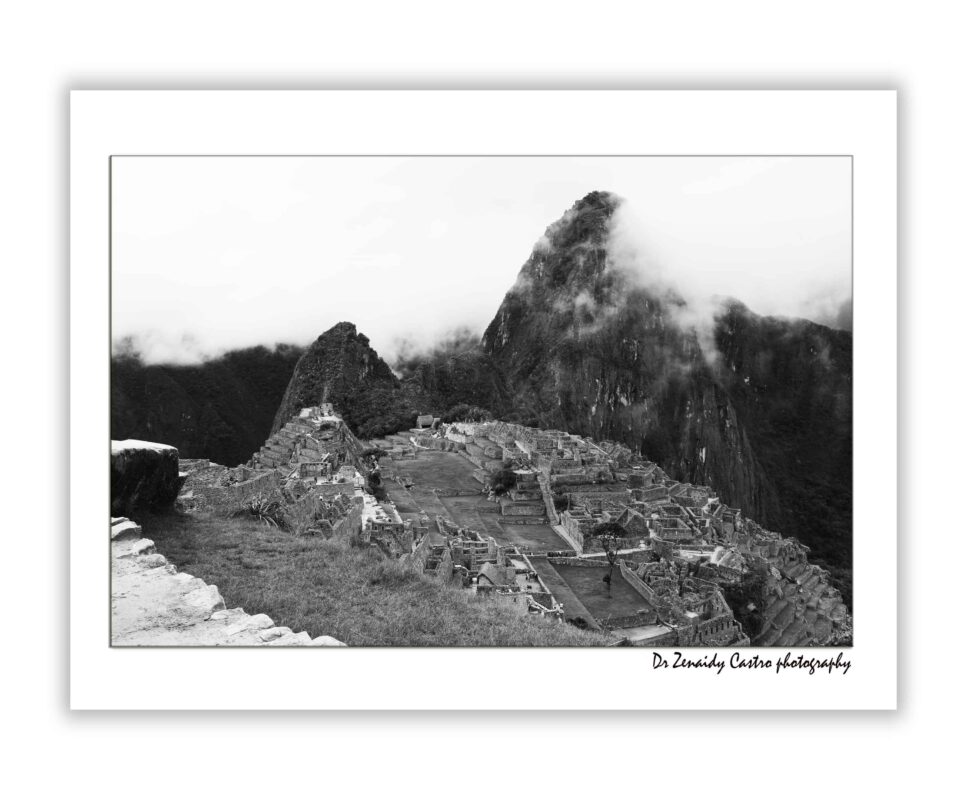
[{"x": 143, "y": 475}]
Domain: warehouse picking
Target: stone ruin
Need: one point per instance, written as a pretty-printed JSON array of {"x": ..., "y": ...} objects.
[
  {"x": 424, "y": 421},
  {"x": 680, "y": 525},
  {"x": 681, "y": 548},
  {"x": 315, "y": 436},
  {"x": 313, "y": 459}
]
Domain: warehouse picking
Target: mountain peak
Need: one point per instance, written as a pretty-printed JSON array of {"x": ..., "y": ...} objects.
[
  {"x": 574, "y": 247},
  {"x": 588, "y": 221},
  {"x": 599, "y": 199},
  {"x": 343, "y": 330},
  {"x": 331, "y": 370}
]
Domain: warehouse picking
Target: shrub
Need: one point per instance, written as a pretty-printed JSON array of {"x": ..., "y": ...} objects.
[
  {"x": 608, "y": 529},
  {"x": 502, "y": 480},
  {"x": 752, "y": 589},
  {"x": 373, "y": 452},
  {"x": 383, "y": 424},
  {"x": 464, "y": 412}
]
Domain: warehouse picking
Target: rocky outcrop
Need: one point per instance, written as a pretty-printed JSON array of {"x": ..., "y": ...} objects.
[
  {"x": 143, "y": 475},
  {"x": 152, "y": 604}
]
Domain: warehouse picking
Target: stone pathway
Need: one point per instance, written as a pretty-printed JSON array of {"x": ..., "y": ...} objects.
[{"x": 152, "y": 604}]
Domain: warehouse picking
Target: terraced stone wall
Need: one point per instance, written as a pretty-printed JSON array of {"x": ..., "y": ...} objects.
[{"x": 224, "y": 500}]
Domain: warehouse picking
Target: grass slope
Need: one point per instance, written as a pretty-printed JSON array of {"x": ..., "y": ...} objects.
[{"x": 330, "y": 588}]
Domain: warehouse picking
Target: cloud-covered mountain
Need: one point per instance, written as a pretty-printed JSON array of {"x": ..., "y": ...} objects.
[{"x": 589, "y": 340}]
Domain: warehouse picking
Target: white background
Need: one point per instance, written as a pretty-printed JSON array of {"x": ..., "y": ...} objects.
[{"x": 48, "y": 48}]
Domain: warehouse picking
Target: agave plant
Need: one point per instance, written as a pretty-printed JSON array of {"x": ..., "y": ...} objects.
[{"x": 269, "y": 512}]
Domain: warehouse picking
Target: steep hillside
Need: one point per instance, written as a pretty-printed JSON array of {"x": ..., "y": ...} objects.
[
  {"x": 791, "y": 381},
  {"x": 456, "y": 371},
  {"x": 221, "y": 409}
]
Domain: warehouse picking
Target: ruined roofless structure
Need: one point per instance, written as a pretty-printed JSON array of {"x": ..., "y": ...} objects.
[{"x": 676, "y": 523}]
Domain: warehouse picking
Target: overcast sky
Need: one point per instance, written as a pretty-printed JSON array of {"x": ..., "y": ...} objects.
[{"x": 211, "y": 254}]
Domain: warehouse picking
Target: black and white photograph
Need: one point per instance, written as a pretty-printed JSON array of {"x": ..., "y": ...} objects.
[{"x": 482, "y": 401}]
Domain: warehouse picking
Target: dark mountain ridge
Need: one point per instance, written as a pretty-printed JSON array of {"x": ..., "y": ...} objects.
[
  {"x": 220, "y": 409},
  {"x": 456, "y": 371}
]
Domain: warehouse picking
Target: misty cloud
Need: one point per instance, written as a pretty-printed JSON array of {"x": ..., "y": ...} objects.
[
  {"x": 832, "y": 312},
  {"x": 698, "y": 258},
  {"x": 158, "y": 347},
  {"x": 217, "y": 254},
  {"x": 407, "y": 354}
]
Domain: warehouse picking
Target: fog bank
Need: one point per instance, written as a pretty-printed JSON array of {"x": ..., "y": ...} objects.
[{"x": 212, "y": 254}]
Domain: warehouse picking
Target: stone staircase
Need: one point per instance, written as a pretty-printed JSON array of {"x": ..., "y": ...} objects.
[{"x": 152, "y": 604}]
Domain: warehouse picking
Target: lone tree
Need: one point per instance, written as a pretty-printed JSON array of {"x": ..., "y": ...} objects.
[
  {"x": 611, "y": 552},
  {"x": 605, "y": 529},
  {"x": 374, "y": 482},
  {"x": 748, "y": 597},
  {"x": 372, "y": 455}
]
